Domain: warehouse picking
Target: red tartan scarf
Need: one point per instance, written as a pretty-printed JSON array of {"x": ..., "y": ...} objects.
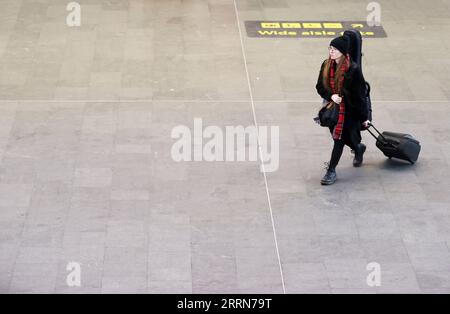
[{"x": 337, "y": 132}]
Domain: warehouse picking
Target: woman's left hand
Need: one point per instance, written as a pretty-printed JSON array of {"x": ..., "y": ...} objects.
[{"x": 366, "y": 123}]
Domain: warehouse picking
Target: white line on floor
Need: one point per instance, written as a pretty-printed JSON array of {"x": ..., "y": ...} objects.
[{"x": 259, "y": 146}]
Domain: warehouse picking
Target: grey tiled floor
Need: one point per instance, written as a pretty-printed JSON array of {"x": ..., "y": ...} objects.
[{"x": 86, "y": 173}]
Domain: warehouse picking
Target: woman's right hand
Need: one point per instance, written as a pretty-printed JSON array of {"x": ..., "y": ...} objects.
[{"x": 336, "y": 98}]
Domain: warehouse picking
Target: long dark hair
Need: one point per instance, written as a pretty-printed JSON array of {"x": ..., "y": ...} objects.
[{"x": 341, "y": 67}]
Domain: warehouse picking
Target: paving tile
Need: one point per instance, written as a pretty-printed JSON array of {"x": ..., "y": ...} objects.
[
  {"x": 169, "y": 286},
  {"x": 398, "y": 278},
  {"x": 126, "y": 285},
  {"x": 32, "y": 285},
  {"x": 93, "y": 177},
  {"x": 433, "y": 280},
  {"x": 433, "y": 256},
  {"x": 346, "y": 273},
  {"x": 169, "y": 266},
  {"x": 306, "y": 278}
]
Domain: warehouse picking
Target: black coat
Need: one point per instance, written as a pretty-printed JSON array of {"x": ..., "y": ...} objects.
[{"x": 354, "y": 94}]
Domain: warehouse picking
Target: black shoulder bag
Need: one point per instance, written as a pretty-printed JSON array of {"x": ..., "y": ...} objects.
[{"x": 329, "y": 114}]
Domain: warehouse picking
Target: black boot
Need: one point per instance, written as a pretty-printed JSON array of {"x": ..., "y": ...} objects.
[
  {"x": 359, "y": 152},
  {"x": 329, "y": 178}
]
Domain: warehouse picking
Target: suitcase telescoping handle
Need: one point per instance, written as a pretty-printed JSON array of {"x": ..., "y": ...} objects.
[{"x": 386, "y": 142}]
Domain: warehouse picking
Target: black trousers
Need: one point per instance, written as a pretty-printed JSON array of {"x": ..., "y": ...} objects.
[{"x": 351, "y": 136}]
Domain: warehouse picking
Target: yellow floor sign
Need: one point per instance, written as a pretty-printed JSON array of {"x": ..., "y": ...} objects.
[{"x": 299, "y": 29}]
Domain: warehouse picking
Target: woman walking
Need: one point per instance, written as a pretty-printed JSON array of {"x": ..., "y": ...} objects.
[{"x": 341, "y": 80}]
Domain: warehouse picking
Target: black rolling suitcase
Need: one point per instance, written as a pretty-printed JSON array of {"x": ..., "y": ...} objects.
[{"x": 397, "y": 145}]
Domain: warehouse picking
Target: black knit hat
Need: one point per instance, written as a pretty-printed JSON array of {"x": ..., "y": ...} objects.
[{"x": 341, "y": 43}]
